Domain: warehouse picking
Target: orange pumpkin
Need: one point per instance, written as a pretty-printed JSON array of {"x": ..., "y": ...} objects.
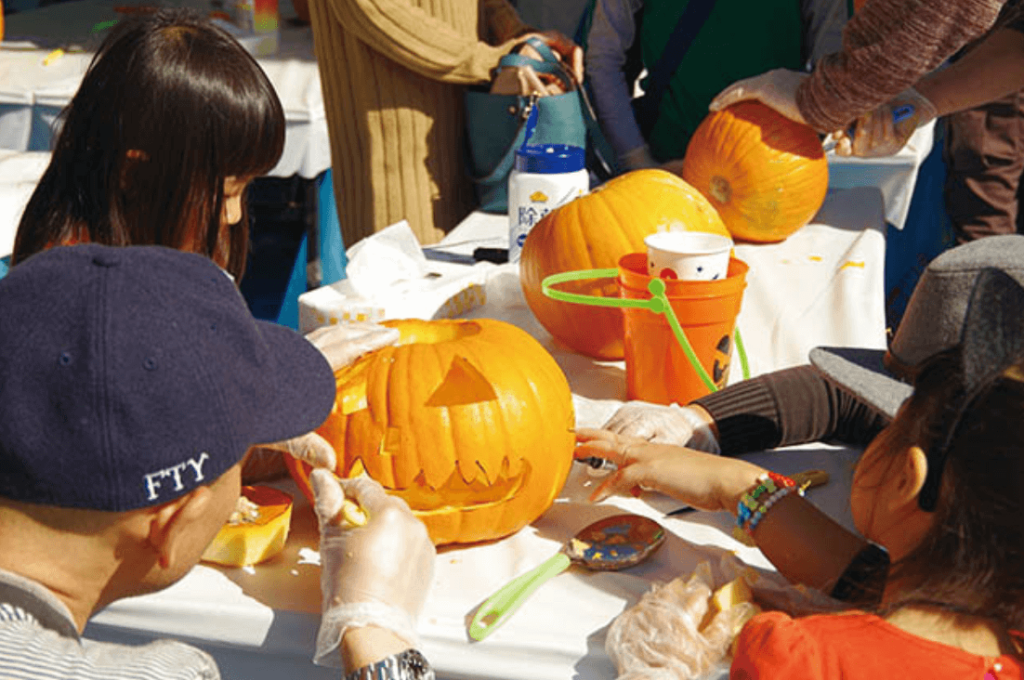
[
  {"x": 470, "y": 421},
  {"x": 765, "y": 174},
  {"x": 594, "y": 232},
  {"x": 250, "y": 539}
]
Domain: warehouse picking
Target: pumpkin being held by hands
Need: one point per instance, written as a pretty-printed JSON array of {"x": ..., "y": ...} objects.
[
  {"x": 765, "y": 174},
  {"x": 469, "y": 421}
]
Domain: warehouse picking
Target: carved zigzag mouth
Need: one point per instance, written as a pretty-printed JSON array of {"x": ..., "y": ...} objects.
[{"x": 457, "y": 492}]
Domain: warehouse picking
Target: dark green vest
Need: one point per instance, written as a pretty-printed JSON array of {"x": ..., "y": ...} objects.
[{"x": 741, "y": 38}]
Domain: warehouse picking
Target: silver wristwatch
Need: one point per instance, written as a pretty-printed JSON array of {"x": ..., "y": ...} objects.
[{"x": 407, "y": 665}]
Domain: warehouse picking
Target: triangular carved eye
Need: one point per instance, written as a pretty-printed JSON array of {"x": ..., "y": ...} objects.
[{"x": 463, "y": 384}]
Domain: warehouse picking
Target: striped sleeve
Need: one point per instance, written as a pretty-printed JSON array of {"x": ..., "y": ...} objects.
[{"x": 31, "y": 652}]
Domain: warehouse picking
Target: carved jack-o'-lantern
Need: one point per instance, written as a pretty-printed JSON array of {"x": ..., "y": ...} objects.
[{"x": 470, "y": 421}]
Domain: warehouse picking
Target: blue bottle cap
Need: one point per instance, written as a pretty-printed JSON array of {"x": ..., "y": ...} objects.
[{"x": 550, "y": 158}]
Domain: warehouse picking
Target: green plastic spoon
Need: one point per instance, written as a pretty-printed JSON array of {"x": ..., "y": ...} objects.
[{"x": 608, "y": 544}]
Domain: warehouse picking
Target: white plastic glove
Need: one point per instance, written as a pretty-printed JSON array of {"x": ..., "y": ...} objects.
[
  {"x": 343, "y": 343},
  {"x": 310, "y": 448},
  {"x": 377, "y": 574},
  {"x": 674, "y": 424},
  {"x": 776, "y": 88},
  {"x": 886, "y": 130},
  {"x": 668, "y": 634}
]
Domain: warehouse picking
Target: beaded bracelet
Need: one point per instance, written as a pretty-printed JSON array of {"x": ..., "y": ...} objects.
[
  {"x": 753, "y": 505},
  {"x": 766, "y": 506}
]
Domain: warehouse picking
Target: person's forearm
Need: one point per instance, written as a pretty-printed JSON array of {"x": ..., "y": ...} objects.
[
  {"x": 786, "y": 407},
  {"x": 417, "y": 40},
  {"x": 991, "y": 70},
  {"x": 887, "y": 47},
  {"x": 805, "y": 544},
  {"x": 612, "y": 32},
  {"x": 368, "y": 645}
]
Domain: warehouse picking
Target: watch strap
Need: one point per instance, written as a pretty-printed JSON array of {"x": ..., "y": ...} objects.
[
  {"x": 407, "y": 665},
  {"x": 864, "y": 579}
]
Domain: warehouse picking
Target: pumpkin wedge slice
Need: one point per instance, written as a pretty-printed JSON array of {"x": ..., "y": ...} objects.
[{"x": 255, "y": 532}]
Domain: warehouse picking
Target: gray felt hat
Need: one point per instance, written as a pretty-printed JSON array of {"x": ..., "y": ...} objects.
[{"x": 933, "y": 322}]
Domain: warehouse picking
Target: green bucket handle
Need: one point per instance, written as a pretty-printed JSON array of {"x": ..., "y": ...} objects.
[{"x": 657, "y": 303}]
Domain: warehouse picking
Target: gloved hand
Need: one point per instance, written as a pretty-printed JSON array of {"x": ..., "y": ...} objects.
[
  {"x": 310, "y": 448},
  {"x": 886, "y": 130},
  {"x": 690, "y": 640},
  {"x": 776, "y": 88},
  {"x": 343, "y": 343},
  {"x": 377, "y": 574},
  {"x": 674, "y": 424}
]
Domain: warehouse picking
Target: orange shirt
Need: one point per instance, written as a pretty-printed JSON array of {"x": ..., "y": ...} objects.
[{"x": 854, "y": 647}]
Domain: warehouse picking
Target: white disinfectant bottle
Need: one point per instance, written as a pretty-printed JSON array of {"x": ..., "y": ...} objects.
[{"x": 544, "y": 177}]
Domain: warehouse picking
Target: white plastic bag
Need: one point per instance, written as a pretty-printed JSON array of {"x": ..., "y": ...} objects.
[{"x": 668, "y": 634}]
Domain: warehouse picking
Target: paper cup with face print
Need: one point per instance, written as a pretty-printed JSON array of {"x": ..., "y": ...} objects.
[{"x": 688, "y": 255}]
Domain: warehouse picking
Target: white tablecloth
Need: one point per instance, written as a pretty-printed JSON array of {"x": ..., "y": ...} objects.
[
  {"x": 33, "y": 92},
  {"x": 823, "y": 285},
  {"x": 19, "y": 173}
]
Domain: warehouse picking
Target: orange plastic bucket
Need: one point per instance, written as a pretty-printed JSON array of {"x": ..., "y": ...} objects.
[{"x": 657, "y": 368}]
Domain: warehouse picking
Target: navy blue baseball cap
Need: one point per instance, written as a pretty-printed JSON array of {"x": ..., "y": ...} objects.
[{"x": 129, "y": 376}]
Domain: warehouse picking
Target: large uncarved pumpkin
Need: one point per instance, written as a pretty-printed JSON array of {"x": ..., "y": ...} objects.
[
  {"x": 594, "y": 232},
  {"x": 471, "y": 422},
  {"x": 765, "y": 174}
]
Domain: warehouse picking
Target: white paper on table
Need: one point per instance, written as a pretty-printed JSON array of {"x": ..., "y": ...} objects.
[
  {"x": 827, "y": 280},
  {"x": 388, "y": 277},
  {"x": 19, "y": 174}
]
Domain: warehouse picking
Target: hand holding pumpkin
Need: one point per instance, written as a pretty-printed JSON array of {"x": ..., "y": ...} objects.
[
  {"x": 310, "y": 448},
  {"x": 374, "y": 574},
  {"x": 702, "y": 480},
  {"x": 776, "y": 89},
  {"x": 343, "y": 343}
]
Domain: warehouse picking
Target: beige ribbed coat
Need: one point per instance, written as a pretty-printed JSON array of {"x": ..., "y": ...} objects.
[{"x": 393, "y": 74}]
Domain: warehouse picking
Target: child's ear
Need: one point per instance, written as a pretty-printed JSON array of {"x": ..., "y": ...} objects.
[
  {"x": 171, "y": 525},
  {"x": 909, "y": 474}
]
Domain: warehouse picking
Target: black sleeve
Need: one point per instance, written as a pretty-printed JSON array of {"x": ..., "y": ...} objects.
[
  {"x": 791, "y": 406},
  {"x": 1012, "y": 16}
]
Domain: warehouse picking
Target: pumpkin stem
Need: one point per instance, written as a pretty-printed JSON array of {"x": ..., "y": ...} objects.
[{"x": 720, "y": 189}]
